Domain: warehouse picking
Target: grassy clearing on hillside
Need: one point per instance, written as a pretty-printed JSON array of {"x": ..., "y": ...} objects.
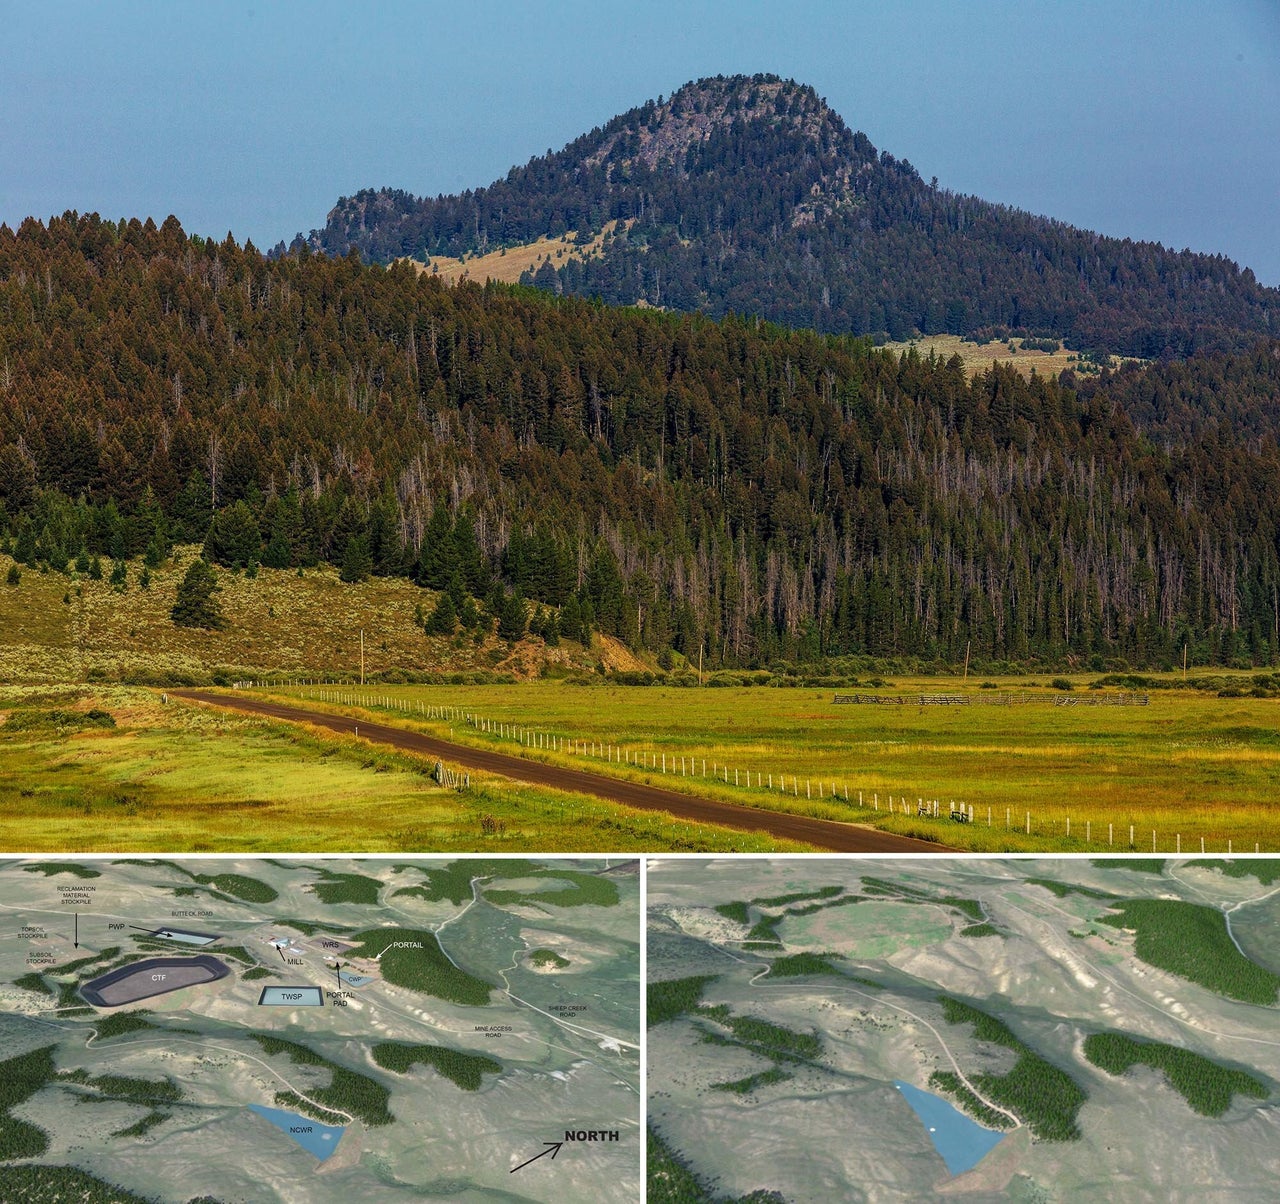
[
  {"x": 67, "y": 628},
  {"x": 1187, "y": 765},
  {"x": 977, "y": 357},
  {"x": 507, "y": 264},
  {"x": 188, "y": 779}
]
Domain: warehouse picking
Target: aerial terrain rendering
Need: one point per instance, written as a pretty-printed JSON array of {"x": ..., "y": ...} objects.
[
  {"x": 269, "y": 1031},
  {"x": 900, "y": 1029}
]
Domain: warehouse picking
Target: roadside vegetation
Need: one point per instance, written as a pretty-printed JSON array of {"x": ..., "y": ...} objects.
[
  {"x": 1045, "y": 1098},
  {"x": 362, "y": 1097}
]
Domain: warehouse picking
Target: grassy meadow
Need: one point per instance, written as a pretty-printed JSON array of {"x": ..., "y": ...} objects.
[
  {"x": 184, "y": 778},
  {"x": 58, "y": 628},
  {"x": 1188, "y": 765}
]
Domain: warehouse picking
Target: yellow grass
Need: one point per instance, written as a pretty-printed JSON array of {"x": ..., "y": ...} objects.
[
  {"x": 509, "y": 264},
  {"x": 978, "y": 358}
]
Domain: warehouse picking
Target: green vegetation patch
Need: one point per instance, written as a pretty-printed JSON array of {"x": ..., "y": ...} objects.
[
  {"x": 463, "y": 1069},
  {"x": 453, "y": 881},
  {"x": 736, "y": 911},
  {"x": 1063, "y": 889},
  {"x": 1207, "y": 1086},
  {"x": 258, "y": 972},
  {"x": 49, "y": 868},
  {"x": 1192, "y": 941},
  {"x": 346, "y": 888},
  {"x": 548, "y": 957},
  {"x": 583, "y": 890},
  {"x": 1265, "y": 869},
  {"x": 142, "y": 1126},
  {"x": 29, "y": 719},
  {"x": 1139, "y": 865},
  {"x": 795, "y": 964},
  {"x": 775, "y": 1074},
  {"x": 34, "y": 1184},
  {"x": 983, "y": 929},
  {"x": 247, "y": 890},
  {"x": 674, "y": 996},
  {"x": 311, "y": 927},
  {"x": 953, "y": 1085},
  {"x": 824, "y": 892},
  {"x": 765, "y": 931},
  {"x": 418, "y": 963},
  {"x": 1046, "y": 1098},
  {"x": 119, "y": 1023},
  {"x": 773, "y": 1041},
  {"x": 34, "y": 981},
  {"x": 20, "y": 1079},
  {"x": 362, "y": 1097},
  {"x": 119, "y": 1088}
]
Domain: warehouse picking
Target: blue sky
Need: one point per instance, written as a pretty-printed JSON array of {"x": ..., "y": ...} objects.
[{"x": 1148, "y": 120}]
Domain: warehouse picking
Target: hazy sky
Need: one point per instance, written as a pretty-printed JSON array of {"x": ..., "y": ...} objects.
[{"x": 1152, "y": 120}]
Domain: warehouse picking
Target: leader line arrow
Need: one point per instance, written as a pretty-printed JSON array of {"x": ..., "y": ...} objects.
[
  {"x": 553, "y": 1148},
  {"x": 75, "y": 940}
]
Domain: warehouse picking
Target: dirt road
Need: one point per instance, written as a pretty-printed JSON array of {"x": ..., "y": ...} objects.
[{"x": 822, "y": 833}]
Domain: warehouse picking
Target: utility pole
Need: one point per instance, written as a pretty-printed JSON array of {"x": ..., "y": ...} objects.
[
  {"x": 362, "y": 656},
  {"x": 700, "y": 647}
]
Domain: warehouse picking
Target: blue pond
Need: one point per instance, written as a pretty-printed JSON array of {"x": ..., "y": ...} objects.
[
  {"x": 311, "y": 1135},
  {"x": 961, "y": 1141},
  {"x": 354, "y": 980}
]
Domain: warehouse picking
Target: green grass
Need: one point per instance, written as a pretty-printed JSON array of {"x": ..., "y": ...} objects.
[
  {"x": 363, "y": 1097},
  {"x": 674, "y": 997},
  {"x": 141, "y": 1127},
  {"x": 1045, "y": 1098},
  {"x": 1187, "y": 765},
  {"x": 774, "y": 1041},
  {"x": 189, "y": 779},
  {"x": 736, "y": 911},
  {"x": 258, "y": 972},
  {"x": 1207, "y": 1086},
  {"x": 424, "y": 969},
  {"x": 462, "y": 1069},
  {"x": 1191, "y": 941},
  {"x": 983, "y": 929}
]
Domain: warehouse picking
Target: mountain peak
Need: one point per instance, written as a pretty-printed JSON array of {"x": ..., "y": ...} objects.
[
  {"x": 749, "y": 193},
  {"x": 665, "y": 130}
]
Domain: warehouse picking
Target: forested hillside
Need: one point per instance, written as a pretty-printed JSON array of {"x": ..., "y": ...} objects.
[
  {"x": 750, "y": 195},
  {"x": 672, "y": 480}
]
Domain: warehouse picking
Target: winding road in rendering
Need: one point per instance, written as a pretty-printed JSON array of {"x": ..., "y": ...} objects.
[{"x": 821, "y": 833}]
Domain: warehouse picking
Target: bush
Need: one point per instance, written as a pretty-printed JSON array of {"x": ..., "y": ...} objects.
[{"x": 14, "y": 576}]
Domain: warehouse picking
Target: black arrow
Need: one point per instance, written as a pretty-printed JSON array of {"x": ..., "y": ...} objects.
[
  {"x": 553, "y": 1148},
  {"x": 281, "y": 952},
  {"x": 337, "y": 969},
  {"x": 75, "y": 940}
]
